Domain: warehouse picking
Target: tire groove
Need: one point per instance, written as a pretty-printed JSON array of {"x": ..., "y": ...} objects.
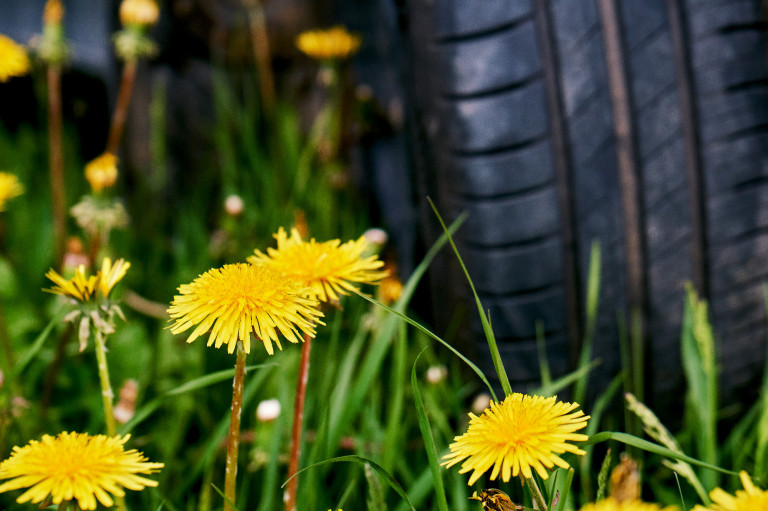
[
  {"x": 630, "y": 181},
  {"x": 691, "y": 146}
]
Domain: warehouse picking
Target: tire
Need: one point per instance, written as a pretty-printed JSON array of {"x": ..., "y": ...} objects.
[{"x": 641, "y": 125}]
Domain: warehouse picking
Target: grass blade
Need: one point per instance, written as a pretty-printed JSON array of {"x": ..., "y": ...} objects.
[
  {"x": 429, "y": 439},
  {"x": 489, "y": 337},
  {"x": 363, "y": 461}
]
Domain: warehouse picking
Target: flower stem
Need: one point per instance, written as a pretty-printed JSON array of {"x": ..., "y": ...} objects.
[
  {"x": 56, "y": 157},
  {"x": 538, "y": 498},
  {"x": 107, "y": 396},
  {"x": 106, "y": 388},
  {"x": 121, "y": 107},
  {"x": 233, "y": 440},
  {"x": 298, "y": 419},
  {"x": 260, "y": 40}
]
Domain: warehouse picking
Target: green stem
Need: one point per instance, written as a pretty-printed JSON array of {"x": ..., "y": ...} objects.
[
  {"x": 233, "y": 440},
  {"x": 106, "y": 388},
  {"x": 107, "y": 396},
  {"x": 538, "y": 498}
]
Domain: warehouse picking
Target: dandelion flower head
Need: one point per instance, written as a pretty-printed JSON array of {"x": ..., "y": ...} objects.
[
  {"x": 611, "y": 504},
  {"x": 333, "y": 43},
  {"x": 83, "y": 287},
  {"x": 13, "y": 59},
  {"x": 751, "y": 498},
  {"x": 237, "y": 299},
  {"x": 76, "y": 466},
  {"x": 329, "y": 268},
  {"x": 101, "y": 172},
  {"x": 519, "y": 434},
  {"x": 139, "y": 12},
  {"x": 9, "y": 188}
]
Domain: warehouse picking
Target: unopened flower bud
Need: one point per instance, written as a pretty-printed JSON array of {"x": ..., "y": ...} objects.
[
  {"x": 481, "y": 402},
  {"x": 53, "y": 12},
  {"x": 268, "y": 410},
  {"x": 436, "y": 374},
  {"x": 101, "y": 172},
  {"x": 234, "y": 205},
  {"x": 139, "y": 12}
]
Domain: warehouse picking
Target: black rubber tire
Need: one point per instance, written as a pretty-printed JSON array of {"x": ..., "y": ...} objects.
[{"x": 516, "y": 115}]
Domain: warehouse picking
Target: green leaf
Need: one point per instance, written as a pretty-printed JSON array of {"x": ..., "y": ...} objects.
[
  {"x": 652, "y": 448},
  {"x": 37, "y": 345}
]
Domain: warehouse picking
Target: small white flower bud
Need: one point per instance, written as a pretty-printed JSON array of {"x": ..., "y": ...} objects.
[
  {"x": 234, "y": 205},
  {"x": 268, "y": 410}
]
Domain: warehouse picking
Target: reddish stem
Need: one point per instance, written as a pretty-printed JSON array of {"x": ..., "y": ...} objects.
[
  {"x": 233, "y": 440},
  {"x": 56, "y": 157},
  {"x": 121, "y": 107},
  {"x": 298, "y": 420}
]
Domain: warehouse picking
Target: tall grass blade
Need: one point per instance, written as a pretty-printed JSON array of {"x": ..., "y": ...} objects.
[
  {"x": 501, "y": 372},
  {"x": 761, "y": 450},
  {"x": 699, "y": 364},
  {"x": 33, "y": 350},
  {"x": 429, "y": 439},
  {"x": 647, "y": 446},
  {"x": 363, "y": 461},
  {"x": 593, "y": 299},
  {"x": 541, "y": 348},
  {"x": 602, "y": 477}
]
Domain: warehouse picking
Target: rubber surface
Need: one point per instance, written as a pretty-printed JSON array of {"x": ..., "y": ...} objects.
[{"x": 515, "y": 118}]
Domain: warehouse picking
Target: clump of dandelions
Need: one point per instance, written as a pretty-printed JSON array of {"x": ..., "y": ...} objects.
[
  {"x": 521, "y": 434},
  {"x": 76, "y": 466},
  {"x": 328, "y": 269}
]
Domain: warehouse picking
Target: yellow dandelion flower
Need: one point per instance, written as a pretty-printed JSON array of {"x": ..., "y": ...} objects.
[
  {"x": 751, "y": 498},
  {"x": 76, "y": 466},
  {"x": 237, "y": 299},
  {"x": 611, "y": 504},
  {"x": 111, "y": 274},
  {"x": 9, "y": 188},
  {"x": 333, "y": 43},
  {"x": 13, "y": 59},
  {"x": 521, "y": 433},
  {"x": 328, "y": 269},
  {"x": 101, "y": 172},
  {"x": 80, "y": 287},
  {"x": 139, "y": 12}
]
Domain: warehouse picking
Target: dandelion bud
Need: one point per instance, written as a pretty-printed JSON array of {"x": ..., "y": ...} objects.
[
  {"x": 53, "y": 12},
  {"x": 436, "y": 374},
  {"x": 101, "y": 172},
  {"x": 234, "y": 205},
  {"x": 481, "y": 402},
  {"x": 139, "y": 12},
  {"x": 126, "y": 407},
  {"x": 268, "y": 410}
]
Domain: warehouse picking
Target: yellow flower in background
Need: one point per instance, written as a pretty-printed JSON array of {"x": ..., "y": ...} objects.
[
  {"x": 76, "y": 466},
  {"x": 333, "y": 43},
  {"x": 751, "y": 498},
  {"x": 13, "y": 59},
  {"x": 111, "y": 274},
  {"x": 328, "y": 269},
  {"x": 9, "y": 187},
  {"x": 101, "y": 172},
  {"x": 237, "y": 299},
  {"x": 611, "y": 504},
  {"x": 139, "y": 12},
  {"x": 80, "y": 287},
  {"x": 519, "y": 434}
]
